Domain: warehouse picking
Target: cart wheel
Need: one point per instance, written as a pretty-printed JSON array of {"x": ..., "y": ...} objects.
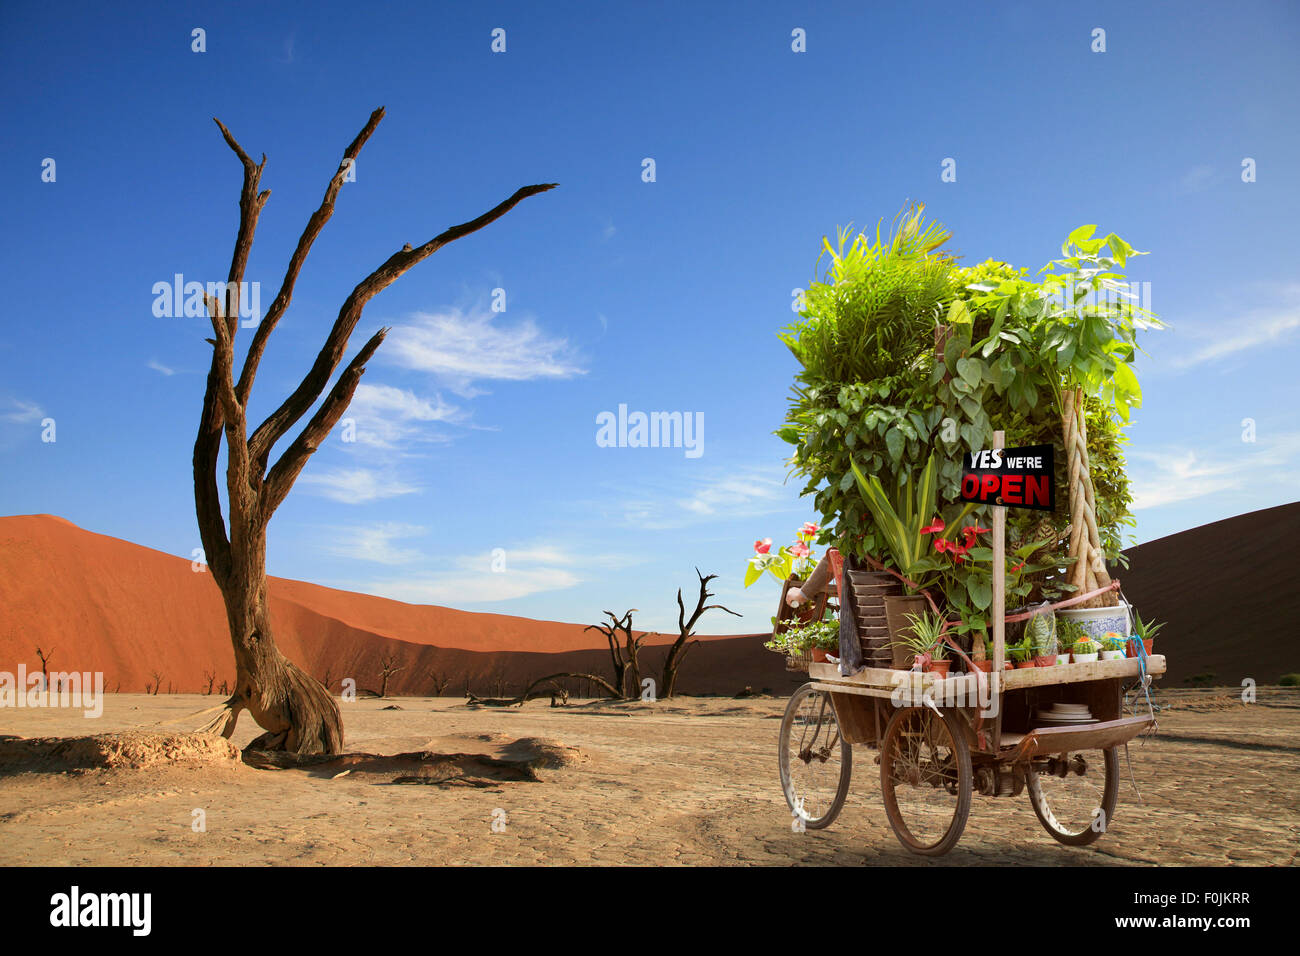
[
  {"x": 925, "y": 779},
  {"x": 816, "y": 760},
  {"x": 1074, "y": 795}
]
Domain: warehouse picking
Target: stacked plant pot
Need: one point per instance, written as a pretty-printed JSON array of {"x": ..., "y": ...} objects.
[{"x": 869, "y": 590}]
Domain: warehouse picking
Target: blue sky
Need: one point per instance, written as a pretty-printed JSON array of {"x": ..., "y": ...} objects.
[{"x": 478, "y": 427}]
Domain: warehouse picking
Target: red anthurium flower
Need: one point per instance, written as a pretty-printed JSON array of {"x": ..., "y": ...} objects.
[
  {"x": 943, "y": 544},
  {"x": 1018, "y": 567},
  {"x": 800, "y": 550},
  {"x": 971, "y": 531},
  {"x": 934, "y": 528},
  {"x": 764, "y": 546}
]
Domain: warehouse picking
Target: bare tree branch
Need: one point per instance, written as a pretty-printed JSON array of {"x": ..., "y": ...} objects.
[
  {"x": 331, "y": 353},
  {"x": 313, "y": 229}
]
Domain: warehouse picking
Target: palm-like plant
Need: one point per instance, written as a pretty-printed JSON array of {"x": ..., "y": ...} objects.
[{"x": 900, "y": 521}]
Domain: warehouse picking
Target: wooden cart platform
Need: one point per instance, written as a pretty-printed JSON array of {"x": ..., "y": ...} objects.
[{"x": 885, "y": 682}]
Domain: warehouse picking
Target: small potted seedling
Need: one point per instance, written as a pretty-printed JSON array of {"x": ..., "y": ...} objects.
[
  {"x": 1144, "y": 631},
  {"x": 923, "y": 639}
]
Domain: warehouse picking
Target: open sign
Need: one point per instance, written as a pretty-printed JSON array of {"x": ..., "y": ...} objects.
[{"x": 1014, "y": 477}]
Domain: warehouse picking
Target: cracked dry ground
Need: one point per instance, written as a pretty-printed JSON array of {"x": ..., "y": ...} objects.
[{"x": 687, "y": 781}]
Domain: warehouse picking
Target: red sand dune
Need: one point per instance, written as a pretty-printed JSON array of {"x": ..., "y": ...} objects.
[{"x": 108, "y": 605}]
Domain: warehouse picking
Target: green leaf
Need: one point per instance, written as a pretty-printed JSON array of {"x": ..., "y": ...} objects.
[
  {"x": 970, "y": 370},
  {"x": 894, "y": 442}
]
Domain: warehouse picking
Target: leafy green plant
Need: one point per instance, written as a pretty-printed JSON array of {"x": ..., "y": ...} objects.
[
  {"x": 1068, "y": 632},
  {"x": 896, "y": 374},
  {"x": 902, "y": 521},
  {"x": 869, "y": 316},
  {"x": 924, "y": 635},
  {"x": 798, "y": 638},
  {"x": 1145, "y": 630}
]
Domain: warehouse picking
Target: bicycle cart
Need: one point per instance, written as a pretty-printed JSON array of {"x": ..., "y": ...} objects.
[{"x": 1051, "y": 731}]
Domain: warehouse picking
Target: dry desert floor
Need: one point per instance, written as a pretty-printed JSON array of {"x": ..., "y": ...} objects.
[{"x": 685, "y": 781}]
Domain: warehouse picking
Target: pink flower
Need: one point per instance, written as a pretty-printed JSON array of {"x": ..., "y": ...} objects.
[
  {"x": 934, "y": 529},
  {"x": 764, "y": 546},
  {"x": 800, "y": 550},
  {"x": 809, "y": 528}
]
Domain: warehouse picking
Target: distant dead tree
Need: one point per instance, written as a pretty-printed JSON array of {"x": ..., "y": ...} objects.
[
  {"x": 45, "y": 666},
  {"x": 211, "y": 677},
  {"x": 557, "y": 691},
  {"x": 157, "y": 682},
  {"x": 624, "y": 651},
  {"x": 225, "y": 688},
  {"x": 440, "y": 681},
  {"x": 296, "y": 712},
  {"x": 686, "y": 628},
  {"x": 388, "y": 666}
]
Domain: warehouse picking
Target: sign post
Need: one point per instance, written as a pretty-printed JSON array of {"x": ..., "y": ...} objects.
[{"x": 999, "y": 600}]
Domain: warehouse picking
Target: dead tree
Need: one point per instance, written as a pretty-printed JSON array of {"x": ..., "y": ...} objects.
[
  {"x": 388, "y": 666},
  {"x": 296, "y": 712},
  {"x": 686, "y": 628},
  {"x": 45, "y": 666},
  {"x": 440, "y": 681},
  {"x": 528, "y": 694},
  {"x": 157, "y": 682},
  {"x": 624, "y": 651},
  {"x": 211, "y": 677}
]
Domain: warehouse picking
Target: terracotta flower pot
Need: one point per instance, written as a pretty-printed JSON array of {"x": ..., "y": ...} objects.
[
  {"x": 1023, "y": 664},
  {"x": 986, "y": 666},
  {"x": 1132, "y": 647},
  {"x": 1045, "y": 660},
  {"x": 939, "y": 667},
  {"x": 819, "y": 656}
]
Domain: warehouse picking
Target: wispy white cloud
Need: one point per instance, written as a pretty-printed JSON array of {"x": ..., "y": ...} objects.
[
  {"x": 497, "y": 575},
  {"x": 159, "y": 367},
  {"x": 1172, "y": 476},
  {"x": 355, "y": 485},
  {"x": 386, "y": 416},
  {"x": 375, "y": 543},
  {"x": 462, "y": 348},
  {"x": 745, "y": 493},
  {"x": 17, "y": 412},
  {"x": 1232, "y": 334},
  {"x": 1199, "y": 178}
]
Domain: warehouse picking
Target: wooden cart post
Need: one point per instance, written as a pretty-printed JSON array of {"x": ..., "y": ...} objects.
[{"x": 999, "y": 602}]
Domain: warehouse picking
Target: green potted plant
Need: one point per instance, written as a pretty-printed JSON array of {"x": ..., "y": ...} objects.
[
  {"x": 923, "y": 637},
  {"x": 816, "y": 637},
  {"x": 1068, "y": 633},
  {"x": 1022, "y": 654},
  {"x": 1040, "y": 634},
  {"x": 1144, "y": 631},
  {"x": 1085, "y": 650},
  {"x": 1112, "y": 645}
]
